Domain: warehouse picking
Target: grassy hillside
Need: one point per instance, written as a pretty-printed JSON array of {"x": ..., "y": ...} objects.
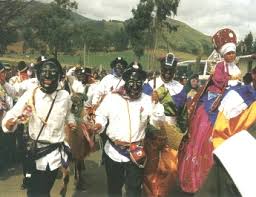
[
  {"x": 186, "y": 43},
  {"x": 186, "y": 39},
  {"x": 100, "y": 59}
]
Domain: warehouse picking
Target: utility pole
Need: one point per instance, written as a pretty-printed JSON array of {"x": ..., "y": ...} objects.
[
  {"x": 84, "y": 52},
  {"x": 155, "y": 34}
]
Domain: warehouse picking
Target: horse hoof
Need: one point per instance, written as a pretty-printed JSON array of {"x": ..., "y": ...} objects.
[
  {"x": 63, "y": 192},
  {"x": 81, "y": 187}
]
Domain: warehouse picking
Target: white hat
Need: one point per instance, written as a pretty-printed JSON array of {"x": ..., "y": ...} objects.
[{"x": 227, "y": 48}]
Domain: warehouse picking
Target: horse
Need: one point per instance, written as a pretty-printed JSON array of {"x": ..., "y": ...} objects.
[{"x": 81, "y": 140}]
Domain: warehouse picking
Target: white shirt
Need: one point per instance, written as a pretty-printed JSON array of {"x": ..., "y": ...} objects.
[
  {"x": 90, "y": 93},
  {"x": 106, "y": 85},
  {"x": 78, "y": 87},
  {"x": 17, "y": 89},
  {"x": 6, "y": 101},
  {"x": 15, "y": 79},
  {"x": 233, "y": 70},
  {"x": 53, "y": 131},
  {"x": 127, "y": 120}
]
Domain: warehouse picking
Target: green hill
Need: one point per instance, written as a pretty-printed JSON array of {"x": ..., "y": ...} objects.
[
  {"x": 185, "y": 39},
  {"x": 188, "y": 40},
  {"x": 186, "y": 43}
]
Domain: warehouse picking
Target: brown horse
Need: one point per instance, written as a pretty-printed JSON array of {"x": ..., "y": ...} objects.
[{"x": 81, "y": 140}]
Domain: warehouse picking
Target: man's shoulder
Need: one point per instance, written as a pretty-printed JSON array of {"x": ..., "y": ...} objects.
[
  {"x": 63, "y": 93},
  {"x": 14, "y": 79}
]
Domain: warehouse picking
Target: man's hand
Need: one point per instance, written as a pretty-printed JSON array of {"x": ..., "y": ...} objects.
[
  {"x": 10, "y": 123},
  {"x": 96, "y": 128},
  {"x": 155, "y": 97},
  {"x": 72, "y": 126}
]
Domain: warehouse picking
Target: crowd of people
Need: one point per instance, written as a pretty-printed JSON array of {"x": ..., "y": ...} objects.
[{"x": 157, "y": 133}]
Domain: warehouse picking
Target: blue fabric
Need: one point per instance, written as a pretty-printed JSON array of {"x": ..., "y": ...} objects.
[
  {"x": 247, "y": 92},
  {"x": 180, "y": 98},
  {"x": 147, "y": 89},
  {"x": 207, "y": 106}
]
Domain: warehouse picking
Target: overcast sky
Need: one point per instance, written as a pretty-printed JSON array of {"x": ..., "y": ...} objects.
[{"x": 206, "y": 16}]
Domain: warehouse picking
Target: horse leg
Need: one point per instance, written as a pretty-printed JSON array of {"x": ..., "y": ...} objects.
[
  {"x": 80, "y": 180},
  {"x": 65, "y": 181},
  {"x": 75, "y": 170}
]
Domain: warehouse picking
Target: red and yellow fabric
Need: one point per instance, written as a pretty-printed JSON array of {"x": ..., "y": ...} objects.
[{"x": 225, "y": 128}]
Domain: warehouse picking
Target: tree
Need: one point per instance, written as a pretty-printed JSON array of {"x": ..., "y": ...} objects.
[
  {"x": 254, "y": 46},
  {"x": 86, "y": 39},
  {"x": 120, "y": 40},
  {"x": 150, "y": 18},
  {"x": 51, "y": 25},
  {"x": 107, "y": 41},
  {"x": 248, "y": 41},
  {"x": 10, "y": 10}
]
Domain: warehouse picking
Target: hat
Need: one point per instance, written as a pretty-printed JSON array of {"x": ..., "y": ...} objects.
[
  {"x": 135, "y": 65},
  {"x": 87, "y": 71},
  {"x": 118, "y": 60},
  {"x": 135, "y": 69},
  {"x": 224, "y": 41},
  {"x": 22, "y": 66},
  {"x": 41, "y": 58},
  {"x": 7, "y": 66},
  {"x": 78, "y": 70},
  {"x": 184, "y": 76},
  {"x": 1, "y": 67},
  {"x": 169, "y": 60}
]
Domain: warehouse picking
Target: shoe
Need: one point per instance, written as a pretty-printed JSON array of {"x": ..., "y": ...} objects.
[
  {"x": 23, "y": 186},
  {"x": 80, "y": 185}
]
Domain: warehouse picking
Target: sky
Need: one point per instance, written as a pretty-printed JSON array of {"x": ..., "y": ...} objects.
[{"x": 206, "y": 16}]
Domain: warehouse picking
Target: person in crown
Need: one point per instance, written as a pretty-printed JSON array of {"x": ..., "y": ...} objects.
[{"x": 195, "y": 157}]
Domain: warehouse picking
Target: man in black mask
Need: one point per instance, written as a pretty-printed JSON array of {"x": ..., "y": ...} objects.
[
  {"x": 168, "y": 67},
  {"x": 49, "y": 74},
  {"x": 128, "y": 111},
  {"x": 113, "y": 81},
  {"x": 134, "y": 81},
  {"x": 46, "y": 109},
  {"x": 172, "y": 95}
]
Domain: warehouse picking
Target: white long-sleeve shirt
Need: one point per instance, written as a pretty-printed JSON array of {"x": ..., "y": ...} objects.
[
  {"x": 6, "y": 100},
  {"x": 127, "y": 120},
  {"x": 53, "y": 131},
  {"x": 106, "y": 85},
  {"x": 17, "y": 89}
]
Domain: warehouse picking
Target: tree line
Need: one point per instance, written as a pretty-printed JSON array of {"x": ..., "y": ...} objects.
[
  {"x": 51, "y": 28},
  {"x": 247, "y": 45}
]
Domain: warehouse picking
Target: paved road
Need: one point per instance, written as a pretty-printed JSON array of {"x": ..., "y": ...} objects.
[{"x": 11, "y": 178}]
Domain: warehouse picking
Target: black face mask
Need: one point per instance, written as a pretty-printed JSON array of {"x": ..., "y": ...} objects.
[
  {"x": 49, "y": 77},
  {"x": 167, "y": 73},
  {"x": 79, "y": 75},
  {"x": 133, "y": 88},
  {"x": 119, "y": 70}
]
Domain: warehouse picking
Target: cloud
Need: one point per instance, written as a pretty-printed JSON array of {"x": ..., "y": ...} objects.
[
  {"x": 209, "y": 16},
  {"x": 107, "y": 9},
  {"x": 206, "y": 16}
]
